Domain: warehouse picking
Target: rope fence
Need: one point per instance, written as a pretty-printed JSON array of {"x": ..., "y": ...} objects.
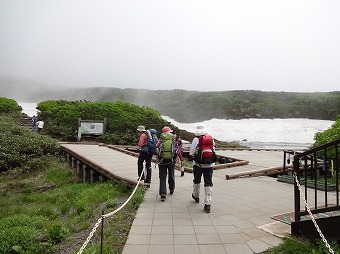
[
  {"x": 311, "y": 215},
  {"x": 107, "y": 216}
]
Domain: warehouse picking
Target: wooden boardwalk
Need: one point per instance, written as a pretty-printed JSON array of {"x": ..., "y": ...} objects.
[
  {"x": 106, "y": 161},
  {"x": 114, "y": 162}
]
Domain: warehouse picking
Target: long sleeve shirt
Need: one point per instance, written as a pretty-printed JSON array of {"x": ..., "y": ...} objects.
[{"x": 143, "y": 140}]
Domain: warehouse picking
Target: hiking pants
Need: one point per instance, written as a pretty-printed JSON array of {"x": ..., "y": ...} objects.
[
  {"x": 207, "y": 175},
  {"x": 164, "y": 170},
  {"x": 145, "y": 156}
]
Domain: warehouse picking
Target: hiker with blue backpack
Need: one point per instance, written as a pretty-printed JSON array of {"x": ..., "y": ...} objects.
[
  {"x": 167, "y": 154},
  {"x": 147, "y": 144}
]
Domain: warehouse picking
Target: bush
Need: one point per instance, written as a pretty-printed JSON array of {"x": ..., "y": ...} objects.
[
  {"x": 22, "y": 148},
  {"x": 329, "y": 135},
  {"x": 9, "y": 106},
  {"x": 56, "y": 232},
  {"x": 61, "y": 119}
]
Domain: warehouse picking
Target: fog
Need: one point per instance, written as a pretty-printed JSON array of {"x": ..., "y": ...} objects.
[{"x": 200, "y": 45}]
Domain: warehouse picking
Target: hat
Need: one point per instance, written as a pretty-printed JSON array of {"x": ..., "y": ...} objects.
[
  {"x": 166, "y": 129},
  {"x": 200, "y": 130},
  {"x": 141, "y": 128}
]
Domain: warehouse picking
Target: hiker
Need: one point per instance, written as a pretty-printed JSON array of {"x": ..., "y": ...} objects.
[
  {"x": 34, "y": 123},
  {"x": 144, "y": 155},
  {"x": 167, "y": 154},
  {"x": 202, "y": 168},
  {"x": 40, "y": 126},
  {"x": 178, "y": 142}
]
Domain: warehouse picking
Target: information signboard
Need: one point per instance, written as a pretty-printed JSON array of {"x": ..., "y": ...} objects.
[{"x": 92, "y": 128}]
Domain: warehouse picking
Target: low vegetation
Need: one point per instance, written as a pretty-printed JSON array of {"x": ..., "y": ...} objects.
[
  {"x": 52, "y": 211},
  {"x": 20, "y": 148},
  {"x": 300, "y": 246},
  {"x": 45, "y": 207}
]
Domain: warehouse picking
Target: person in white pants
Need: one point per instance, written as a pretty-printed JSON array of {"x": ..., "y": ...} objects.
[{"x": 200, "y": 169}]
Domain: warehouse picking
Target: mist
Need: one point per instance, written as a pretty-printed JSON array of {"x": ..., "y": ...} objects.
[{"x": 162, "y": 45}]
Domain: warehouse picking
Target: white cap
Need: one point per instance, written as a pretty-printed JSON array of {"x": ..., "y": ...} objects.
[{"x": 200, "y": 130}]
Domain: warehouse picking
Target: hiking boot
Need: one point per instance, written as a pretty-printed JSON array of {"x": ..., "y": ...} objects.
[
  {"x": 196, "y": 199},
  {"x": 142, "y": 178},
  {"x": 207, "y": 208},
  {"x": 172, "y": 191},
  {"x": 163, "y": 197},
  {"x": 182, "y": 173},
  {"x": 147, "y": 185}
]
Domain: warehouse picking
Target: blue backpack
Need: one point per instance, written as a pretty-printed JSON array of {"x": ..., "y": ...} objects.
[{"x": 152, "y": 141}]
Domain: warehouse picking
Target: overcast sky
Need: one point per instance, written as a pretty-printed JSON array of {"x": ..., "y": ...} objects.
[{"x": 210, "y": 45}]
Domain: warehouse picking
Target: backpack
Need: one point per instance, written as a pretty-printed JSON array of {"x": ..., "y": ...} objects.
[
  {"x": 152, "y": 141},
  {"x": 34, "y": 120},
  {"x": 205, "y": 152},
  {"x": 167, "y": 147},
  {"x": 178, "y": 140}
]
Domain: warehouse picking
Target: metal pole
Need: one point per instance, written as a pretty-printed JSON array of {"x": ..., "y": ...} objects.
[{"x": 102, "y": 234}]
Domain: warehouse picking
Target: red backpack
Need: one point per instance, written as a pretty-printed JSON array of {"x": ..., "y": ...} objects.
[{"x": 205, "y": 152}]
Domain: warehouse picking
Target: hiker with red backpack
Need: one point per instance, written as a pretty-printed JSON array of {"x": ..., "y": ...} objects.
[
  {"x": 202, "y": 150},
  {"x": 167, "y": 154},
  {"x": 144, "y": 155}
]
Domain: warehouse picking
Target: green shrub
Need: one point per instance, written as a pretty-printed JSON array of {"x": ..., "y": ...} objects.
[
  {"x": 22, "y": 148},
  {"x": 56, "y": 232},
  {"x": 9, "y": 106},
  {"x": 294, "y": 246},
  {"x": 111, "y": 202},
  {"x": 21, "y": 233},
  {"x": 61, "y": 119},
  {"x": 329, "y": 135},
  {"x": 21, "y": 238}
]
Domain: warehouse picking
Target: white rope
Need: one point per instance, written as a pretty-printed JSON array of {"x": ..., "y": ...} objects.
[
  {"x": 106, "y": 216},
  {"x": 311, "y": 215}
]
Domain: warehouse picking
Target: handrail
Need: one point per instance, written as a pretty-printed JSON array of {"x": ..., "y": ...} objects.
[{"x": 311, "y": 162}]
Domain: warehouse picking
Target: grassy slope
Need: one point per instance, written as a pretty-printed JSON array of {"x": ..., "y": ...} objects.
[{"x": 65, "y": 210}]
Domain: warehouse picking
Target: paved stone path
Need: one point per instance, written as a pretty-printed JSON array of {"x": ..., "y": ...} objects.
[{"x": 239, "y": 221}]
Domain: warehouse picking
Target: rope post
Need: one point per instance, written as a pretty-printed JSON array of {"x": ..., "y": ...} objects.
[{"x": 102, "y": 234}]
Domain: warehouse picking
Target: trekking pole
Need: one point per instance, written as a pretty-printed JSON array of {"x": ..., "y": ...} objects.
[{"x": 157, "y": 160}]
